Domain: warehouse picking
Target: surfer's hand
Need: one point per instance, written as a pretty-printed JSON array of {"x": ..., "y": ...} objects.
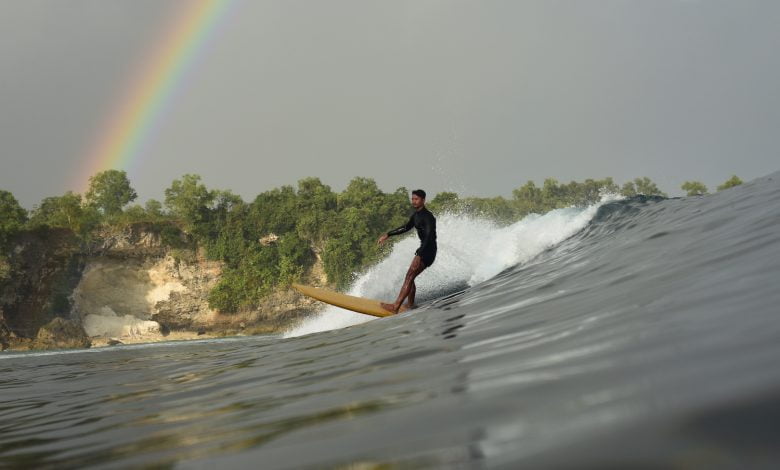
[{"x": 381, "y": 239}]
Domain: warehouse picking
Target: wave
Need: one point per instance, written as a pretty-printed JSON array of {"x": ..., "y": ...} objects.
[{"x": 472, "y": 250}]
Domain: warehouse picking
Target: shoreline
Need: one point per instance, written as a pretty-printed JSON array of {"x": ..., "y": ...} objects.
[{"x": 100, "y": 342}]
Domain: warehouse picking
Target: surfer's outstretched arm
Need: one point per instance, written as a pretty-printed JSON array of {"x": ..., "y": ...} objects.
[
  {"x": 397, "y": 231},
  {"x": 403, "y": 228}
]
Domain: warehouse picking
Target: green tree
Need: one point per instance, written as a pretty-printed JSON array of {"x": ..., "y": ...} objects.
[
  {"x": 694, "y": 188},
  {"x": 134, "y": 213},
  {"x": 66, "y": 211},
  {"x": 590, "y": 191},
  {"x": 12, "y": 216},
  {"x": 273, "y": 212},
  {"x": 554, "y": 195},
  {"x": 294, "y": 256},
  {"x": 316, "y": 209},
  {"x": 528, "y": 198},
  {"x": 497, "y": 208},
  {"x": 360, "y": 192},
  {"x": 190, "y": 200},
  {"x": 110, "y": 191},
  {"x": 730, "y": 183},
  {"x": 628, "y": 189},
  {"x": 647, "y": 187},
  {"x": 444, "y": 200},
  {"x": 242, "y": 287},
  {"x": 153, "y": 207},
  {"x": 58, "y": 211},
  {"x": 224, "y": 203},
  {"x": 643, "y": 186}
]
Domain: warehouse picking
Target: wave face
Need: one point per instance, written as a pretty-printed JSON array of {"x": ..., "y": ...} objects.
[
  {"x": 641, "y": 332},
  {"x": 471, "y": 250}
]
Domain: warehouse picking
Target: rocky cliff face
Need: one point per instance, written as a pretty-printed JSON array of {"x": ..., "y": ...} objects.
[
  {"x": 6, "y": 336},
  {"x": 61, "y": 334},
  {"x": 43, "y": 269},
  {"x": 126, "y": 285},
  {"x": 144, "y": 295}
]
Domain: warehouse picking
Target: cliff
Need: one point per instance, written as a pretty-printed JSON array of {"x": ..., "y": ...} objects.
[{"x": 126, "y": 285}]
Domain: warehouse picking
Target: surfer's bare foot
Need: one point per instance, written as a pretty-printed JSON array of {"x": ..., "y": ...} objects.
[
  {"x": 389, "y": 307},
  {"x": 411, "y": 306}
]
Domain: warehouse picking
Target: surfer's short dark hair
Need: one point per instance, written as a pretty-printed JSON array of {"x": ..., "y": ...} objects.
[{"x": 419, "y": 192}]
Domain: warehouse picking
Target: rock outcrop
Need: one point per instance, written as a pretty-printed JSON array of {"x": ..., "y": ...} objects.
[
  {"x": 186, "y": 307},
  {"x": 136, "y": 283},
  {"x": 45, "y": 266},
  {"x": 137, "y": 288},
  {"x": 61, "y": 334},
  {"x": 5, "y": 333}
]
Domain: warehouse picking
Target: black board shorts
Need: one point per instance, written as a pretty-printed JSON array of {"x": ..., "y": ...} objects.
[{"x": 427, "y": 257}]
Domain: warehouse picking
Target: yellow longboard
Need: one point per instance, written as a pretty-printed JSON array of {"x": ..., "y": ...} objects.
[{"x": 349, "y": 302}]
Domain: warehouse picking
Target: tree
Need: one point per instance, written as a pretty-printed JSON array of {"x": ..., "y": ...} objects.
[
  {"x": 153, "y": 208},
  {"x": 528, "y": 198},
  {"x": 554, "y": 195},
  {"x": 294, "y": 256},
  {"x": 134, "y": 213},
  {"x": 12, "y": 216},
  {"x": 110, "y": 191},
  {"x": 643, "y": 186},
  {"x": 730, "y": 183},
  {"x": 213, "y": 221},
  {"x": 224, "y": 202},
  {"x": 360, "y": 192},
  {"x": 694, "y": 188},
  {"x": 189, "y": 199},
  {"x": 628, "y": 189},
  {"x": 57, "y": 211},
  {"x": 66, "y": 211},
  {"x": 591, "y": 191},
  {"x": 444, "y": 200},
  {"x": 646, "y": 186},
  {"x": 273, "y": 212},
  {"x": 316, "y": 209}
]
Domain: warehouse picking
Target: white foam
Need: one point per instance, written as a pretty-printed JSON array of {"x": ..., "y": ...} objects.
[{"x": 471, "y": 250}]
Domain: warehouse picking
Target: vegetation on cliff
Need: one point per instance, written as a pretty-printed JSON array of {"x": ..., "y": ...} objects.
[
  {"x": 12, "y": 217},
  {"x": 270, "y": 241},
  {"x": 730, "y": 183}
]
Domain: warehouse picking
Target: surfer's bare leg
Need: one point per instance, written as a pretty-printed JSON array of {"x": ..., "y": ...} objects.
[
  {"x": 415, "y": 269},
  {"x": 412, "y": 292}
]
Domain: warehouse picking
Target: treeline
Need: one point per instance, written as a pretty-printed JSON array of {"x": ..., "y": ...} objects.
[
  {"x": 271, "y": 240},
  {"x": 697, "y": 188}
]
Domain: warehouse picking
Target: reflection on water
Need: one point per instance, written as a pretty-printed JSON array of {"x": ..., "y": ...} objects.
[{"x": 632, "y": 343}]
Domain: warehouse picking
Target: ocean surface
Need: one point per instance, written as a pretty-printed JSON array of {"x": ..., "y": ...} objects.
[{"x": 638, "y": 333}]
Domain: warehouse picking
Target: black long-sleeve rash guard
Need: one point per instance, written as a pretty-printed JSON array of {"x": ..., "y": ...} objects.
[{"x": 425, "y": 223}]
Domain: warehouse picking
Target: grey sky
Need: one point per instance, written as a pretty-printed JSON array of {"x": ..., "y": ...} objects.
[{"x": 475, "y": 97}]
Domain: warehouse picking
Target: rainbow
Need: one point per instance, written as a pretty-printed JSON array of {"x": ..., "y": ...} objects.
[{"x": 143, "y": 105}]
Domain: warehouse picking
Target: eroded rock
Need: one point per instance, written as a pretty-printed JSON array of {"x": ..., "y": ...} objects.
[
  {"x": 5, "y": 333},
  {"x": 61, "y": 334}
]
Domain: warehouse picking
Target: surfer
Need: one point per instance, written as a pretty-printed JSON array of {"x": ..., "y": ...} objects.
[{"x": 425, "y": 223}]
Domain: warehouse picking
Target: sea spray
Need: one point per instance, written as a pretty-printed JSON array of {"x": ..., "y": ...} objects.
[{"x": 472, "y": 249}]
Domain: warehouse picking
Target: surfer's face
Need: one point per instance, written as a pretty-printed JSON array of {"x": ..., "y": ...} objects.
[{"x": 417, "y": 201}]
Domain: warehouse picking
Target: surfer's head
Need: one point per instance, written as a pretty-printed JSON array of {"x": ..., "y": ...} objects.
[{"x": 418, "y": 198}]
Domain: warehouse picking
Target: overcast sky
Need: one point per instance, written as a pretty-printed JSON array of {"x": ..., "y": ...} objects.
[{"x": 475, "y": 97}]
